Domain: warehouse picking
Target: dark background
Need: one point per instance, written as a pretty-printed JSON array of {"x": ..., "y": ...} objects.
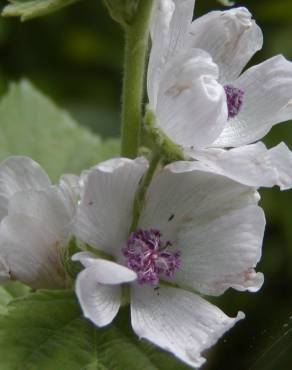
[{"x": 76, "y": 56}]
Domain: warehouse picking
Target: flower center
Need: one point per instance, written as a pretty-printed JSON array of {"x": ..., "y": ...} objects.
[
  {"x": 234, "y": 100},
  {"x": 149, "y": 256}
]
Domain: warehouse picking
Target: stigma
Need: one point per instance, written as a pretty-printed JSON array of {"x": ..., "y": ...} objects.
[
  {"x": 234, "y": 100},
  {"x": 149, "y": 256}
]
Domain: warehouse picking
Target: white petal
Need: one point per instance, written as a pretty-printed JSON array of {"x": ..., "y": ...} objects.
[
  {"x": 170, "y": 22},
  {"x": 31, "y": 251},
  {"x": 19, "y": 173},
  {"x": 179, "y": 25},
  {"x": 50, "y": 206},
  {"x": 106, "y": 272},
  {"x": 191, "y": 107},
  {"x": 281, "y": 158},
  {"x": 267, "y": 101},
  {"x": 100, "y": 303},
  {"x": 220, "y": 253},
  {"x": 231, "y": 37},
  {"x": 182, "y": 193},
  {"x": 69, "y": 181},
  {"x": 4, "y": 271},
  {"x": 178, "y": 321},
  {"x": 252, "y": 165},
  {"x": 104, "y": 215},
  {"x": 160, "y": 23},
  {"x": 86, "y": 258},
  {"x": 70, "y": 184},
  {"x": 98, "y": 290}
]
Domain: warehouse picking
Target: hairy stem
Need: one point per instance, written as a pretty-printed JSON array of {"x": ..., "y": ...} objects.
[
  {"x": 139, "y": 199},
  {"x": 137, "y": 34},
  {"x": 168, "y": 150}
]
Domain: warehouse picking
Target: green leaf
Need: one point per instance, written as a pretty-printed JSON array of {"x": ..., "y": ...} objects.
[
  {"x": 28, "y": 9},
  {"x": 45, "y": 330},
  {"x": 9, "y": 291},
  {"x": 32, "y": 125}
]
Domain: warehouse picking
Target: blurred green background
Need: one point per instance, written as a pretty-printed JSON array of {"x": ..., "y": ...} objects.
[{"x": 75, "y": 56}]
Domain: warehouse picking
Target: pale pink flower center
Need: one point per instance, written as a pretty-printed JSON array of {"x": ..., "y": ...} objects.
[
  {"x": 234, "y": 100},
  {"x": 149, "y": 256}
]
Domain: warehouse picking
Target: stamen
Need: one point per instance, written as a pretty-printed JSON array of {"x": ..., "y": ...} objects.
[
  {"x": 234, "y": 100},
  {"x": 149, "y": 257}
]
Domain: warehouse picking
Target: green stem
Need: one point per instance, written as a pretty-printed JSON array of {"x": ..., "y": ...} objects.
[
  {"x": 137, "y": 34},
  {"x": 125, "y": 295},
  {"x": 168, "y": 150},
  {"x": 99, "y": 253},
  {"x": 140, "y": 196}
]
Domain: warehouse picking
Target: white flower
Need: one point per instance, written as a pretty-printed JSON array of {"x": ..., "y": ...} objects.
[
  {"x": 257, "y": 99},
  {"x": 231, "y": 38},
  {"x": 35, "y": 219},
  {"x": 182, "y": 82},
  {"x": 198, "y": 233}
]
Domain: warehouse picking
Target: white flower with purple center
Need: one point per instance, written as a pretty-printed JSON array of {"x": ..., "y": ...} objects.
[
  {"x": 34, "y": 223},
  {"x": 198, "y": 233},
  {"x": 187, "y": 57}
]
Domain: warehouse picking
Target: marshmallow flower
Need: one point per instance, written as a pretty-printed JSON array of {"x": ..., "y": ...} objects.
[
  {"x": 198, "y": 233},
  {"x": 35, "y": 217},
  {"x": 218, "y": 44}
]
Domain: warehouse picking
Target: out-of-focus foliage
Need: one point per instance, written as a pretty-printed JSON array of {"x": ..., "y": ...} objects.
[
  {"x": 28, "y": 9},
  {"x": 226, "y": 2},
  {"x": 275, "y": 355},
  {"x": 76, "y": 57},
  {"x": 32, "y": 125}
]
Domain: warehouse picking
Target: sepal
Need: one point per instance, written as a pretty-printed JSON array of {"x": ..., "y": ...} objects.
[{"x": 122, "y": 11}]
